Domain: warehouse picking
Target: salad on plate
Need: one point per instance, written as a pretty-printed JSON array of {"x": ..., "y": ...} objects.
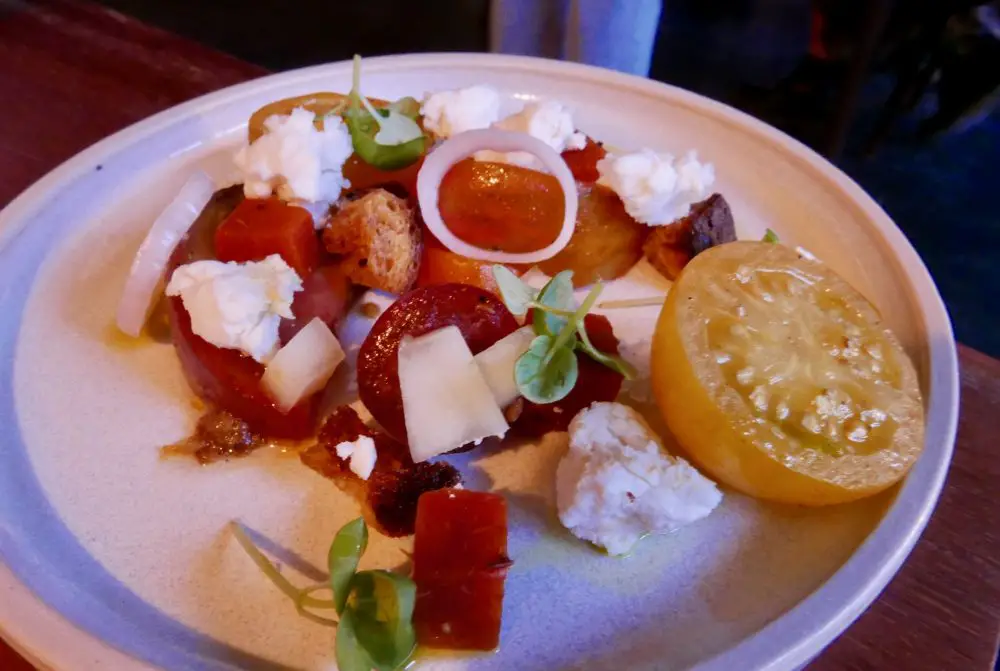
[{"x": 476, "y": 248}]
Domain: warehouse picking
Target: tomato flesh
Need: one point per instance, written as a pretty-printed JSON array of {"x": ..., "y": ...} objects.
[
  {"x": 482, "y": 318},
  {"x": 364, "y": 176},
  {"x": 326, "y": 293},
  {"x": 259, "y": 227},
  {"x": 500, "y": 206},
  {"x": 606, "y": 243},
  {"x": 595, "y": 382},
  {"x": 438, "y": 265},
  {"x": 231, "y": 381},
  {"x": 459, "y": 565},
  {"x": 583, "y": 162}
]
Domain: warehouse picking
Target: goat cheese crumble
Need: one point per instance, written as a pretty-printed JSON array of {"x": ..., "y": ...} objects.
[
  {"x": 657, "y": 189},
  {"x": 548, "y": 121},
  {"x": 298, "y": 162},
  {"x": 617, "y": 484},
  {"x": 448, "y": 113},
  {"x": 238, "y": 305},
  {"x": 359, "y": 454}
]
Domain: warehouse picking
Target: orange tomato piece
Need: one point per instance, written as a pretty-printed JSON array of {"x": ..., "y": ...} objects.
[
  {"x": 607, "y": 242},
  {"x": 459, "y": 565},
  {"x": 366, "y": 176},
  {"x": 503, "y": 207},
  {"x": 258, "y": 228},
  {"x": 583, "y": 162},
  {"x": 438, "y": 265}
]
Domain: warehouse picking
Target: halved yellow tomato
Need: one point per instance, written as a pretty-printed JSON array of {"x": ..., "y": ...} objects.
[{"x": 779, "y": 379}]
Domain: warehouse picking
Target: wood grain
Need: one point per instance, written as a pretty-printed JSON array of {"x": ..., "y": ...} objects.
[{"x": 81, "y": 72}]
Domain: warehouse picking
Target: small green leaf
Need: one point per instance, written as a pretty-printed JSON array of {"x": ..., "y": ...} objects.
[
  {"x": 345, "y": 553},
  {"x": 614, "y": 362},
  {"x": 517, "y": 295},
  {"x": 770, "y": 236},
  {"x": 382, "y": 607},
  {"x": 350, "y": 655},
  {"x": 557, "y": 294},
  {"x": 547, "y": 372},
  {"x": 387, "y": 139}
]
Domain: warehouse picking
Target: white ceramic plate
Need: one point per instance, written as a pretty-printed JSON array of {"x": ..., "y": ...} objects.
[{"x": 114, "y": 558}]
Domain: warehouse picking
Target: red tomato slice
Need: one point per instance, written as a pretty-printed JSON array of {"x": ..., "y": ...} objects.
[
  {"x": 583, "y": 162},
  {"x": 501, "y": 206},
  {"x": 230, "y": 380},
  {"x": 482, "y": 318},
  {"x": 258, "y": 228},
  {"x": 595, "y": 382},
  {"x": 326, "y": 293},
  {"x": 459, "y": 565}
]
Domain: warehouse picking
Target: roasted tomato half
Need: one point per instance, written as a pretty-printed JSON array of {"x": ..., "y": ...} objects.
[
  {"x": 230, "y": 380},
  {"x": 482, "y": 318}
]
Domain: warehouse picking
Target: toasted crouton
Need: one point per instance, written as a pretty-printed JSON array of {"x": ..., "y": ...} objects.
[
  {"x": 709, "y": 223},
  {"x": 378, "y": 240}
]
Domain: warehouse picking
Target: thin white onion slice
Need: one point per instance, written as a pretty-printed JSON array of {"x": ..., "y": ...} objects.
[
  {"x": 303, "y": 366},
  {"x": 154, "y": 252},
  {"x": 464, "y": 145}
]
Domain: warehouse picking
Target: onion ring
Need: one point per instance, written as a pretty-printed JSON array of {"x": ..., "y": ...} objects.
[
  {"x": 154, "y": 253},
  {"x": 464, "y": 145}
]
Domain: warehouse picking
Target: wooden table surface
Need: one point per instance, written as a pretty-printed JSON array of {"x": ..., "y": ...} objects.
[{"x": 72, "y": 73}]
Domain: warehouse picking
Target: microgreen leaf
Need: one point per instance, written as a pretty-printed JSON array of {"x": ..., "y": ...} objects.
[
  {"x": 547, "y": 372},
  {"x": 382, "y": 608},
  {"x": 350, "y": 655},
  {"x": 770, "y": 236},
  {"x": 345, "y": 553},
  {"x": 388, "y": 139},
  {"x": 517, "y": 295},
  {"x": 558, "y": 295},
  {"x": 615, "y": 363}
]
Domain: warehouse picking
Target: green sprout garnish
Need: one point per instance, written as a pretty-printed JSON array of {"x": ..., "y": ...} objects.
[
  {"x": 388, "y": 139},
  {"x": 374, "y": 607},
  {"x": 548, "y": 370},
  {"x": 770, "y": 236}
]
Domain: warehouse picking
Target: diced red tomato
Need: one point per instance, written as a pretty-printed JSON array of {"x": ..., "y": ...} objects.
[
  {"x": 326, "y": 293},
  {"x": 482, "y": 318},
  {"x": 595, "y": 382},
  {"x": 459, "y": 565},
  {"x": 583, "y": 162},
  {"x": 231, "y": 380},
  {"x": 501, "y": 206},
  {"x": 258, "y": 228}
]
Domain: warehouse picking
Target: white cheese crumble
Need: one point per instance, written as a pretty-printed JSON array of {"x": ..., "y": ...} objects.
[
  {"x": 617, "y": 484},
  {"x": 238, "y": 305},
  {"x": 360, "y": 455},
  {"x": 298, "y": 162},
  {"x": 657, "y": 189},
  {"x": 448, "y": 113},
  {"x": 547, "y": 121}
]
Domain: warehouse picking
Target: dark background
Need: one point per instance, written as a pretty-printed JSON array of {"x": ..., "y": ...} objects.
[{"x": 941, "y": 192}]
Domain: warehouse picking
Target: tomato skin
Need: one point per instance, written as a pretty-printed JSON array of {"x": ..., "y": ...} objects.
[
  {"x": 606, "y": 243},
  {"x": 259, "y": 227},
  {"x": 595, "y": 382},
  {"x": 326, "y": 293},
  {"x": 501, "y": 206},
  {"x": 459, "y": 566},
  {"x": 583, "y": 162},
  {"x": 482, "y": 318},
  {"x": 231, "y": 380}
]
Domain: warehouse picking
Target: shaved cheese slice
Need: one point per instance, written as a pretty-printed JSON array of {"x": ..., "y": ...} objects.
[
  {"x": 303, "y": 366},
  {"x": 497, "y": 364},
  {"x": 446, "y": 401}
]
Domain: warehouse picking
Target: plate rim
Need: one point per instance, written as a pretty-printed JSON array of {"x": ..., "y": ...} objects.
[{"x": 50, "y": 641}]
